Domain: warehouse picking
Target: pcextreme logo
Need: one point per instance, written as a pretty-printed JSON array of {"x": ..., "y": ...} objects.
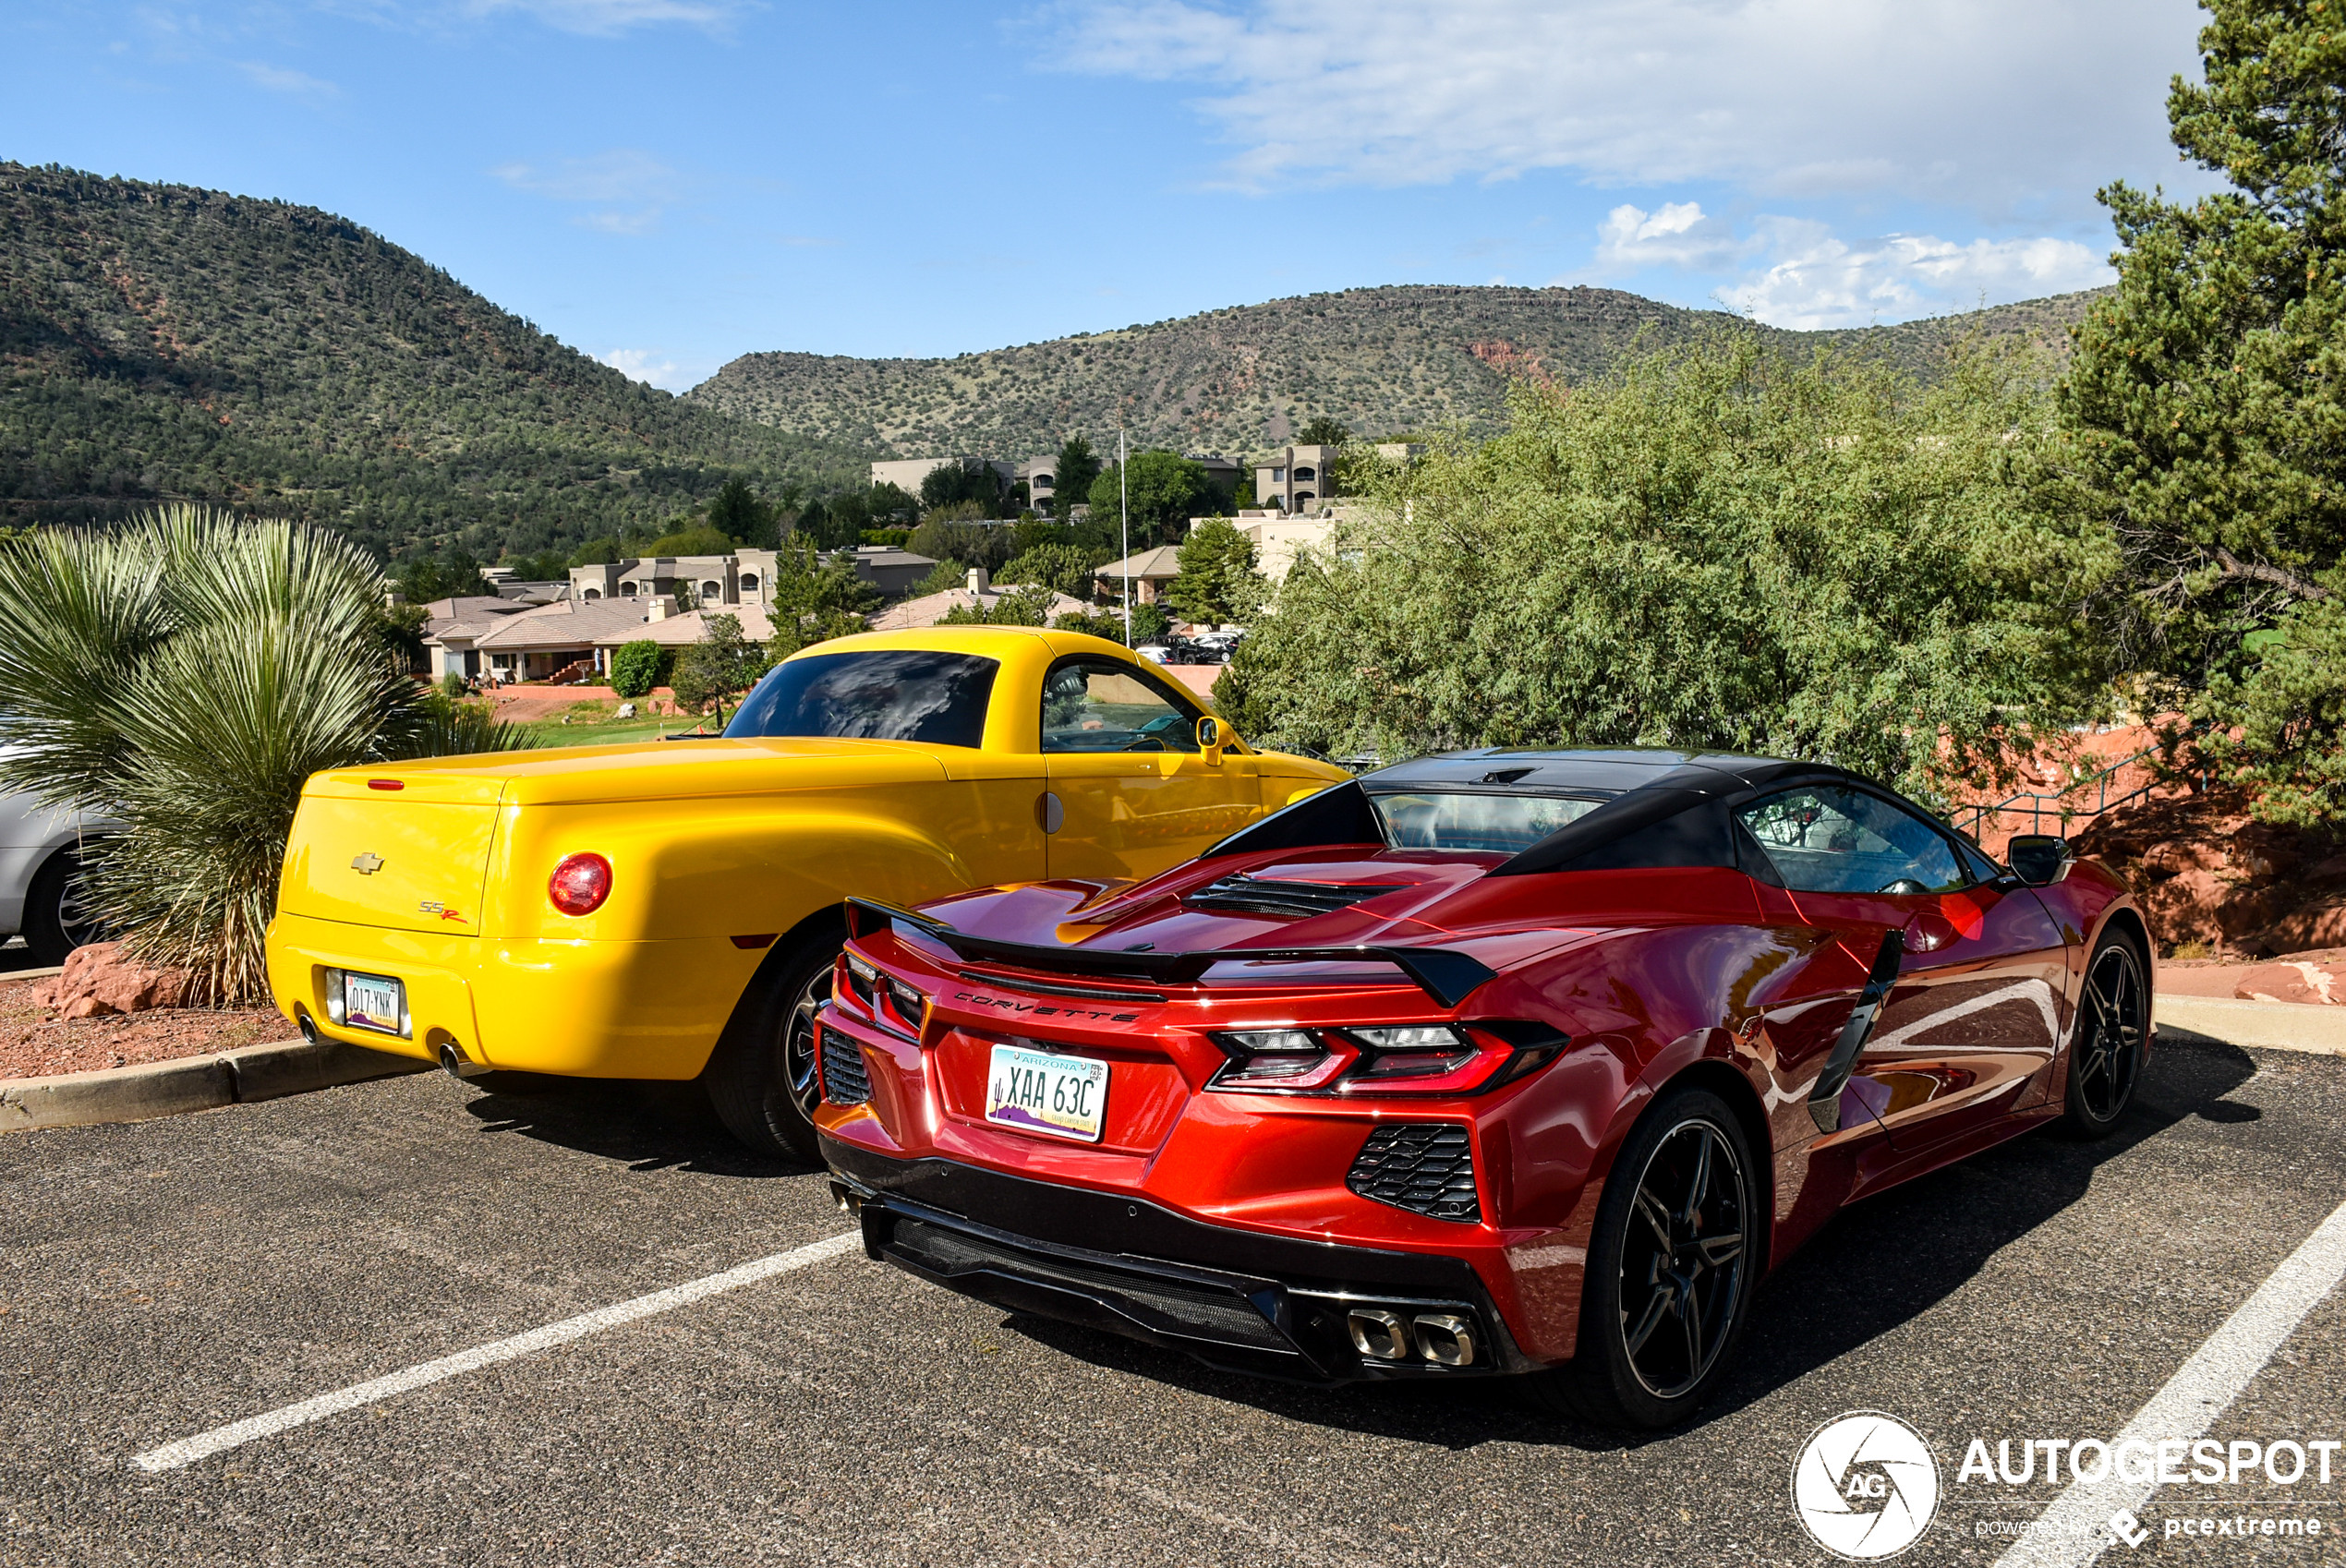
[{"x": 1865, "y": 1486}]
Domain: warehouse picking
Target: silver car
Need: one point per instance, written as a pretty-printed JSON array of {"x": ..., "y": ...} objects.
[{"x": 40, "y": 875}]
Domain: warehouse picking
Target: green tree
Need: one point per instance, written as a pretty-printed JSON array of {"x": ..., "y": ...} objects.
[
  {"x": 1323, "y": 430},
  {"x": 816, "y": 599},
  {"x": 890, "y": 503},
  {"x": 1093, "y": 623},
  {"x": 722, "y": 664},
  {"x": 1715, "y": 546},
  {"x": 738, "y": 513},
  {"x": 185, "y": 674},
  {"x": 1167, "y": 490},
  {"x": 970, "y": 544},
  {"x": 635, "y": 668},
  {"x": 691, "y": 539},
  {"x": 846, "y": 516},
  {"x": 1218, "y": 581},
  {"x": 2206, "y": 399},
  {"x": 1023, "y": 606},
  {"x": 951, "y": 484},
  {"x": 595, "y": 552},
  {"x": 551, "y": 566},
  {"x": 454, "y": 576},
  {"x": 1072, "y": 478},
  {"x": 1064, "y": 569},
  {"x": 2206, "y": 404}
]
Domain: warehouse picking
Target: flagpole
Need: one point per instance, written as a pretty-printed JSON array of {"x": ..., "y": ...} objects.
[{"x": 1124, "y": 511}]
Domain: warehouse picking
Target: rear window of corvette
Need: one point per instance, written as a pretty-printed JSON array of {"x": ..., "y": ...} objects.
[
  {"x": 1429, "y": 819},
  {"x": 890, "y": 694}
]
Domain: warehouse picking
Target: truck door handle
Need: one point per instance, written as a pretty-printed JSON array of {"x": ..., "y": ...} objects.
[{"x": 1050, "y": 811}]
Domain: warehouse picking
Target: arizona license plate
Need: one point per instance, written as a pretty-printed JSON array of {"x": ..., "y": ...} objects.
[
  {"x": 1035, "y": 1091},
  {"x": 373, "y": 1001}
]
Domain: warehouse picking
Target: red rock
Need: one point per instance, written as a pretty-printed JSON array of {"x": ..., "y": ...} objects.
[
  {"x": 2321, "y": 984},
  {"x": 100, "y": 980}
]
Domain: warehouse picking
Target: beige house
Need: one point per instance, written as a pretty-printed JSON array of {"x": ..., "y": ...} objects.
[
  {"x": 549, "y": 642},
  {"x": 1150, "y": 571},
  {"x": 907, "y": 473},
  {"x": 744, "y": 577},
  {"x": 1294, "y": 479}
]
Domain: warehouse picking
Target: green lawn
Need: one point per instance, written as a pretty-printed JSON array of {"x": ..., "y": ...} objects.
[{"x": 591, "y": 724}]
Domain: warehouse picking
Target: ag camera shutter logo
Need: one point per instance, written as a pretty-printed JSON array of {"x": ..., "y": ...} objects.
[{"x": 1865, "y": 1486}]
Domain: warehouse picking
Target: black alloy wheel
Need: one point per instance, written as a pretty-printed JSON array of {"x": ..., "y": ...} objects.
[
  {"x": 57, "y": 917},
  {"x": 2111, "y": 1036},
  {"x": 1673, "y": 1261},
  {"x": 764, "y": 1079},
  {"x": 1682, "y": 1273}
]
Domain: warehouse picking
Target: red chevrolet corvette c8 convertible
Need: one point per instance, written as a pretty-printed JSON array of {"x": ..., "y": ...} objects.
[{"x": 1498, "y": 1061}]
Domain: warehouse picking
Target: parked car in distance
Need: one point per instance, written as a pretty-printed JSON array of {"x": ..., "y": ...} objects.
[
  {"x": 40, "y": 875},
  {"x": 1525, "y": 1062},
  {"x": 672, "y": 911}
]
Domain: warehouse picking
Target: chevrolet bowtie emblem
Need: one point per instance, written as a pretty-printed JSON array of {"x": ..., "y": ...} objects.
[{"x": 367, "y": 864}]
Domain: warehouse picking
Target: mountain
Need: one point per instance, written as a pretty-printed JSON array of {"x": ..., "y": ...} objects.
[
  {"x": 164, "y": 342},
  {"x": 1382, "y": 360}
]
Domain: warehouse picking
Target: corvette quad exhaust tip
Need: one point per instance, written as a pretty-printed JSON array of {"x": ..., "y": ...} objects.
[{"x": 1443, "y": 1338}]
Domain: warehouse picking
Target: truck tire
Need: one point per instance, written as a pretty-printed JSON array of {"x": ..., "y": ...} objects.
[
  {"x": 55, "y": 919},
  {"x": 762, "y": 1079}
]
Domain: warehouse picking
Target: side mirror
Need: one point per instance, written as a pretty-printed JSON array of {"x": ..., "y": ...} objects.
[
  {"x": 2037, "y": 858},
  {"x": 1212, "y": 736}
]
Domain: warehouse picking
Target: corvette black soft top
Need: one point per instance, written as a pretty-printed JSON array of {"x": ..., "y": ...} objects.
[{"x": 1661, "y": 808}]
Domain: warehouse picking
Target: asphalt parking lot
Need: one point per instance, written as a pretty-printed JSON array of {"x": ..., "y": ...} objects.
[{"x": 166, "y": 1278}]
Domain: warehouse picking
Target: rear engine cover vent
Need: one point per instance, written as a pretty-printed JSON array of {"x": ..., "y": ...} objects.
[
  {"x": 844, "y": 1081},
  {"x": 1263, "y": 896},
  {"x": 1425, "y": 1167}
]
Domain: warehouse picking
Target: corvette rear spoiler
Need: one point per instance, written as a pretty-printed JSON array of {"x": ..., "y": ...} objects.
[{"x": 1448, "y": 977}]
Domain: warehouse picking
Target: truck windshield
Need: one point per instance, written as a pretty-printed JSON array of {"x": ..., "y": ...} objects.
[
  {"x": 884, "y": 694},
  {"x": 1452, "y": 819}
]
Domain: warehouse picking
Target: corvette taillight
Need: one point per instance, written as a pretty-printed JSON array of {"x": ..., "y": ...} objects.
[
  {"x": 580, "y": 883},
  {"x": 1417, "y": 1059},
  {"x": 887, "y": 999},
  {"x": 1280, "y": 1058},
  {"x": 1415, "y": 1051}
]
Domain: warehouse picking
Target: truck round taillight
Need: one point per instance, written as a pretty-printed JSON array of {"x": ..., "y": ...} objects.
[{"x": 580, "y": 883}]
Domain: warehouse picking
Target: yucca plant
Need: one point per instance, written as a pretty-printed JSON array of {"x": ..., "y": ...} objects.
[{"x": 184, "y": 674}]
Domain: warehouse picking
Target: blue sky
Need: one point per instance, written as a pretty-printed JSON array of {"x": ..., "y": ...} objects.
[{"x": 666, "y": 184}]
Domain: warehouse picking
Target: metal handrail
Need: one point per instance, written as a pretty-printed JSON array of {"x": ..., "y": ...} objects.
[{"x": 2037, "y": 804}]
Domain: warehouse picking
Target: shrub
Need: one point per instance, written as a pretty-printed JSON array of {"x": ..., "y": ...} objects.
[
  {"x": 187, "y": 674},
  {"x": 634, "y": 668}
]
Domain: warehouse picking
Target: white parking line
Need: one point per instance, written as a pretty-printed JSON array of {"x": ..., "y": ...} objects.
[
  {"x": 2074, "y": 1530},
  {"x": 187, "y": 1451}
]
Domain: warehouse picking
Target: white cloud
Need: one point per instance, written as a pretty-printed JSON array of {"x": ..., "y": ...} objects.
[
  {"x": 1797, "y": 273},
  {"x": 1679, "y": 235},
  {"x": 631, "y": 187},
  {"x": 1820, "y": 281},
  {"x": 1989, "y": 103},
  {"x": 646, "y": 365}
]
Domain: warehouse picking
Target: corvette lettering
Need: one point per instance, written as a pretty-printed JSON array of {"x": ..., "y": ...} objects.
[{"x": 1040, "y": 1011}]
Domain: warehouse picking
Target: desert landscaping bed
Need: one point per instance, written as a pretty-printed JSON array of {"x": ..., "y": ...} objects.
[{"x": 36, "y": 1042}]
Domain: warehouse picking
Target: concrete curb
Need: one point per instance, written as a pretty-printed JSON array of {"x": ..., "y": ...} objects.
[
  {"x": 50, "y": 973},
  {"x": 2271, "y": 1026},
  {"x": 192, "y": 1083}
]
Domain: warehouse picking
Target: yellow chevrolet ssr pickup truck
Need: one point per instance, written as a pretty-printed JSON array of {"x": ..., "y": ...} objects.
[{"x": 671, "y": 910}]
